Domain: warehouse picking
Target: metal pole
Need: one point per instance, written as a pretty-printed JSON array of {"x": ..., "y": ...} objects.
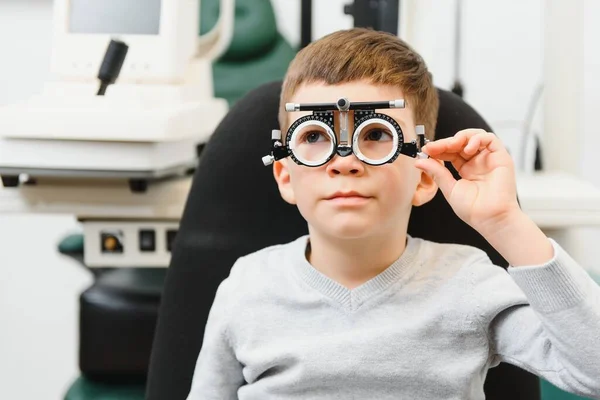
[{"x": 305, "y": 23}]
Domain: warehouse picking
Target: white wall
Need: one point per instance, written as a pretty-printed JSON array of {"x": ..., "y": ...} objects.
[
  {"x": 39, "y": 289},
  {"x": 25, "y": 45},
  {"x": 501, "y": 66},
  {"x": 591, "y": 93},
  {"x": 589, "y": 164},
  {"x": 39, "y": 308}
]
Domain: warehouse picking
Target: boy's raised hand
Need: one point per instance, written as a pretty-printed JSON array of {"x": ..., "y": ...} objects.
[{"x": 486, "y": 194}]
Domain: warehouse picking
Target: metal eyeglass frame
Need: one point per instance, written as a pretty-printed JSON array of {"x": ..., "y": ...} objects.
[{"x": 364, "y": 112}]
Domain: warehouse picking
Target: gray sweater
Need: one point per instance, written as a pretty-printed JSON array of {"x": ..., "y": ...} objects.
[{"x": 428, "y": 327}]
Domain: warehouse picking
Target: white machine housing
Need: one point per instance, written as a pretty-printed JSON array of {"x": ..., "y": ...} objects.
[
  {"x": 149, "y": 121},
  {"x": 156, "y": 53}
]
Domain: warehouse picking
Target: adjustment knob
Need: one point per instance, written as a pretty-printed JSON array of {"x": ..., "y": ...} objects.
[
  {"x": 268, "y": 160},
  {"x": 343, "y": 104}
]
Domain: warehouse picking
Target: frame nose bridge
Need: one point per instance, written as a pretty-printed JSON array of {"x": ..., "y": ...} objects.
[
  {"x": 337, "y": 117},
  {"x": 344, "y": 151}
]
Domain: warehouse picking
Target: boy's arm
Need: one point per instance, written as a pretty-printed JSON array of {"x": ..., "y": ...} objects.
[
  {"x": 543, "y": 318},
  {"x": 218, "y": 373},
  {"x": 558, "y": 335}
]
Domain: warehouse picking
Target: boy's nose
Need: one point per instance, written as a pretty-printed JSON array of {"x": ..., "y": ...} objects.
[{"x": 347, "y": 165}]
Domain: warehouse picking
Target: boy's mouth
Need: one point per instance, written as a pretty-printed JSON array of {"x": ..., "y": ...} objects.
[{"x": 348, "y": 197}]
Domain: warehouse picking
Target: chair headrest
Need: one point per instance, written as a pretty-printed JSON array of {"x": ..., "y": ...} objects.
[{"x": 255, "y": 28}]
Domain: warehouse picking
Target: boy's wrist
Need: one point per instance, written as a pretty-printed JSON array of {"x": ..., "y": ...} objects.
[
  {"x": 519, "y": 240},
  {"x": 512, "y": 217}
]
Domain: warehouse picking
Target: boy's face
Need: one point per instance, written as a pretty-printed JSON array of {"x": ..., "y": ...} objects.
[{"x": 346, "y": 198}]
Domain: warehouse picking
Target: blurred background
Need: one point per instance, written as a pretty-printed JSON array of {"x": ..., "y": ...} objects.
[{"x": 499, "y": 56}]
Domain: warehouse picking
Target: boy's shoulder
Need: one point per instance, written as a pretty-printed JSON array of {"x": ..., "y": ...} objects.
[
  {"x": 272, "y": 256},
  {"x": 465, "y": 263},
  {"x": 472, "y": 266},
  {"x": 265, "y": 266},
  {"x": 469, "y": 270},
  {"x": 450, "y": 253}
]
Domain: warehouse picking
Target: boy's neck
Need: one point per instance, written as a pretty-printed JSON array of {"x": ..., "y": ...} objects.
[{"x": 354, "y": 262}]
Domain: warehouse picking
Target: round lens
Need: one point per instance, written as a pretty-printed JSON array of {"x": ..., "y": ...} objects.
[
  {"x": 312, "y": 142},
  {"x": 375, "y": 141}
]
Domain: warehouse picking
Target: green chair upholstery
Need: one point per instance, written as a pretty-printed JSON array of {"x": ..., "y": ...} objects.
[
  {"x": 258, "y": 52},
  {"x": 551, "y": 392},
  {"x": 72, "y": 246},
  {"x": 86, "y": 389}
]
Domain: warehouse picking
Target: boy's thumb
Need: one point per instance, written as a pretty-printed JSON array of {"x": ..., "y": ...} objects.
[{"x": 439, "y": 173}]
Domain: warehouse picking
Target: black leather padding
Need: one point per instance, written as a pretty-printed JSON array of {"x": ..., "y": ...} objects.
[
  {"x": 118, "y": 315},
  {"x": 234, "y": 208}
]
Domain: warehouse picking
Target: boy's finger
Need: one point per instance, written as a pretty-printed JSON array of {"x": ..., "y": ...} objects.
[
  {"x": 448, "y": 145},
  {"x": 473, "y": 146},
  {"x": 452, "y": 157},
  {"x": 479, "y": 142},
  {"x": 468, "y": 133},
  {"x": 462, "y": 139},
  {"x": 454, "y": 144}
]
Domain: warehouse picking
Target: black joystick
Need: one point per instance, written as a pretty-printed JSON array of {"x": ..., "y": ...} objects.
[{"x": 112, "y": 64}]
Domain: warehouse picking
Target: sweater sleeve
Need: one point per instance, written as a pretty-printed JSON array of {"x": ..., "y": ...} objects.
[
  {"x": 218, "y": 373},
  {"x": 545, "y": 319}
]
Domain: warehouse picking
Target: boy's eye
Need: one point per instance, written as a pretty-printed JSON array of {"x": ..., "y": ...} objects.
[
  {"x": 378, "y": 135},
  {"x": 314, "y": 136}
]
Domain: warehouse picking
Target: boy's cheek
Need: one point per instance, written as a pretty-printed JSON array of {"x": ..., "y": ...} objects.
[{"x": 306, "y": 191}]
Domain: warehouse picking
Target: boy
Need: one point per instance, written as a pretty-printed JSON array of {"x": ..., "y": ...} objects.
[{"x": 358, "y": 309}]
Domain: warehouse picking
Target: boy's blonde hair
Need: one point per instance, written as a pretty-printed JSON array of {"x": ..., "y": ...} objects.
[{"x": 357, "y": 54}]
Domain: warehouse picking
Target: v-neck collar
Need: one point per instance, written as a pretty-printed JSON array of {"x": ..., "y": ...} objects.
[{"x": 351, "y": 299}]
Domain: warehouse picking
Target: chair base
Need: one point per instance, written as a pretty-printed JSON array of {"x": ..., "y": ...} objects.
[{"x": 85, "y": 389}]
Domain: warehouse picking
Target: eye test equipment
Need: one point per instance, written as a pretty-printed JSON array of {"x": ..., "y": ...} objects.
[
  {"x": 149, "y": 123},
  {"x": 377, "y": 138}
]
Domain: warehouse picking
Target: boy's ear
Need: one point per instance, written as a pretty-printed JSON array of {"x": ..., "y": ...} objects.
[
  {"x": 426, "y": 189},
  {"x": 283, "y": 178}
]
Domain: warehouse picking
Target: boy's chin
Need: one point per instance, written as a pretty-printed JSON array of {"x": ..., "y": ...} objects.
[{"x": 346, "y": 231}]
